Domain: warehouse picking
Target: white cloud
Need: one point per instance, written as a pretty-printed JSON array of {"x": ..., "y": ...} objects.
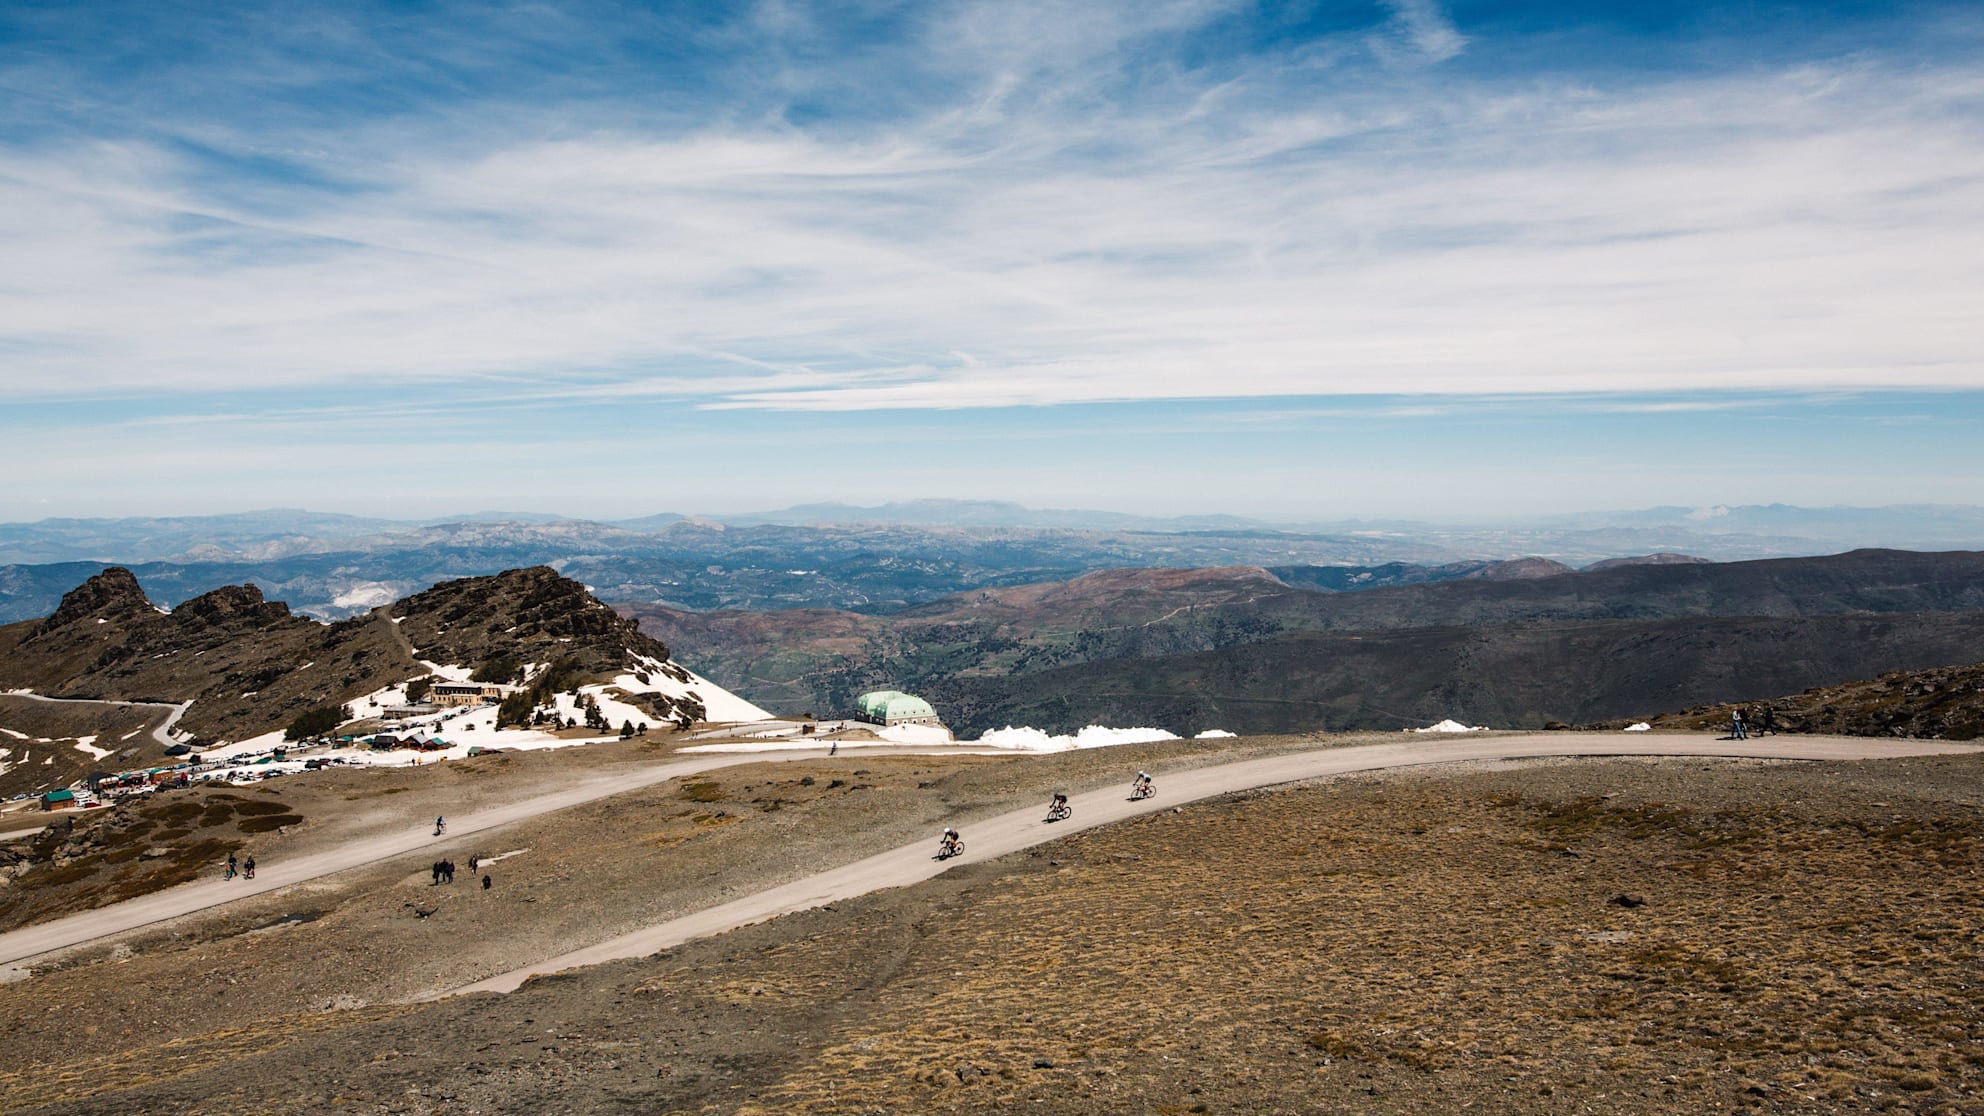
[
  {"x": 1215, "y": 235},
  {"x": 1427, "y": 28}
]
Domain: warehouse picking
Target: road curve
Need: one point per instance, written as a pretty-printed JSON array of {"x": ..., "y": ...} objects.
[
  {"x": 76, "y": 929},
  {"x": 162, "y": 734},
  {"x": 1020, "y": 829}
]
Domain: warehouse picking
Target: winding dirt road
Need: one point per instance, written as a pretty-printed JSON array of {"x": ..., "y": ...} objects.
[
  {"x": 1020, "y": 829},
  {"x": 61, "y": 933},
  {"x": 900, "y": 867},
  {"x": 162, "y": 734}
]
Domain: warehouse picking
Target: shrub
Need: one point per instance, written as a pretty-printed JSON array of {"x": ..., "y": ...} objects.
[
  {"x": 314, "y": 722},
  {"x": 499, "y": 669}
]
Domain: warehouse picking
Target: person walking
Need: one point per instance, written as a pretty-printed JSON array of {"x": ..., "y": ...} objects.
[
  {"x": 233, "y": 868},
  {"x": 437, "y": 873},
  {"x": 1770, "y": 721},
  {"x": 447, "y": 871},
  {"x": 1736, "y": 725},
  {"x": 248, "y": 868},
  {"x": 473, "y": 860}
]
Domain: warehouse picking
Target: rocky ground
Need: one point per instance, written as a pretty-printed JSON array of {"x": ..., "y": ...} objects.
[
  {"x": 1633, "y": 936},
  {"x": 1946, "y": 703}
]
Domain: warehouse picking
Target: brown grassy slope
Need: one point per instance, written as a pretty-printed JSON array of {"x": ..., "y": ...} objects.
[
  {"x": 1807, "y": 940},
  {"x": 1940, "y": 704},
  {"x": 37, "y": 766},
  {"x": 83, "y": 861}
]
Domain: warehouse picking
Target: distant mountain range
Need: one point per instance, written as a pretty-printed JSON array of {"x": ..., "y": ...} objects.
[
  {"x": 881, "y": 559},
  {"x": 1249, "y": 649}
]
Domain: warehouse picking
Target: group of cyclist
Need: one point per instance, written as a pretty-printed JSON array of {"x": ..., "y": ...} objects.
[{"x": 950, "y": 843}]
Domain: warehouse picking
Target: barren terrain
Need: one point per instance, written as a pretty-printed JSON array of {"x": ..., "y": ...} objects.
[{"x": 1629, "y": 935}]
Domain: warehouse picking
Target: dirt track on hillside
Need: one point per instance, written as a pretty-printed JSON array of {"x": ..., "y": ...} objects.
[
  {"x": 1794, "y": 936},
  {"x": 898, "y": 867},
  {"x": 1015, "y": 830}
]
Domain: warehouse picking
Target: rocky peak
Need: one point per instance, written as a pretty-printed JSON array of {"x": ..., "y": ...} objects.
[
  {"x": 111, "y": 595},
  {"x": 532, "y": 614},
  {"x": 230, "y": 603}
]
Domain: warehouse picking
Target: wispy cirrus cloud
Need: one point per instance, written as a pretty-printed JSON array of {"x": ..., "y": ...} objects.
[
  {"x": 984, "y": 204},
  {"x": 1427, "y": 28}
]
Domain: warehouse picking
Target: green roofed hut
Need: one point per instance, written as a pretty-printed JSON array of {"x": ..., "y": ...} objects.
[{"x": 893, "y": 707}]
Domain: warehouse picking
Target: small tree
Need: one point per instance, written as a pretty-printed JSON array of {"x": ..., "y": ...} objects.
[
  {"x": 515, "y": 710},
  {"x": 626, "y": 729},
  {"x": 314, "y": 722},
  {"x": 498, "y": 669}
]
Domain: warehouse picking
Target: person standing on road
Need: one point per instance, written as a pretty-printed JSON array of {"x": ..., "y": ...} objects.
[
  {"x": 248, "y": 868},
  {"x": 1736, "y": 725},
  {"x": 233, "y": 868},
  {"x": 1770, "y": 721}
]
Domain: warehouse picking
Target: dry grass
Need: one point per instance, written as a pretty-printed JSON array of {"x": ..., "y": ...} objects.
[
  {"x": 1308, "y": 947},
  {"x": 1433, "y": 941}
]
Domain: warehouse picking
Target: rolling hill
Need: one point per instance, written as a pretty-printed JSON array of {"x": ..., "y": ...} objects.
[{"x": 1121, "y": 645}]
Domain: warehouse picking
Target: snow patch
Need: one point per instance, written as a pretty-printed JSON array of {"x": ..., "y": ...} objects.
[
  {"x": 1450, "y": 726},
  {"x": 365, "y": 594},
  {"x": 678, "y": 681},
  {"x": 1091, "y": 736},
  {"x": 1639, "y": 726},
  {"x": 88, "y": 744},
  {"x": 927, "y": 735},
  {"x": 15, "y": 735},
  {"x": 1215, "y": 734}
]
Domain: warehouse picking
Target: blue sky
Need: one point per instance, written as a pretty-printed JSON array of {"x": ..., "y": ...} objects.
[{"x": 1395, "y": 258}]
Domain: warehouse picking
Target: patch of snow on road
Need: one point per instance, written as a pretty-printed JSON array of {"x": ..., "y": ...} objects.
[
  {"x": 1450, "y": 726},
  {"x": 1639, "y": 726},
  {"x": 88, "y": 744},
  {"x": 1215, "y": 734},
  {"x": 1091, "y": 736}
]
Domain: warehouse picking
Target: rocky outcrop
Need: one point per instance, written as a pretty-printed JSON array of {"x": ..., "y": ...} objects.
[
  {"x": 522, "y": 616},
  {"x": 1945, "y": 703},
  {"x": 113, "y": 595},
  {"x": 231, "y": 606},
  {"x": 250, "y": 666}
]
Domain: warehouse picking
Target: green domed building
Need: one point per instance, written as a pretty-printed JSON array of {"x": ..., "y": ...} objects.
[{"x": 893, "y": 707}]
